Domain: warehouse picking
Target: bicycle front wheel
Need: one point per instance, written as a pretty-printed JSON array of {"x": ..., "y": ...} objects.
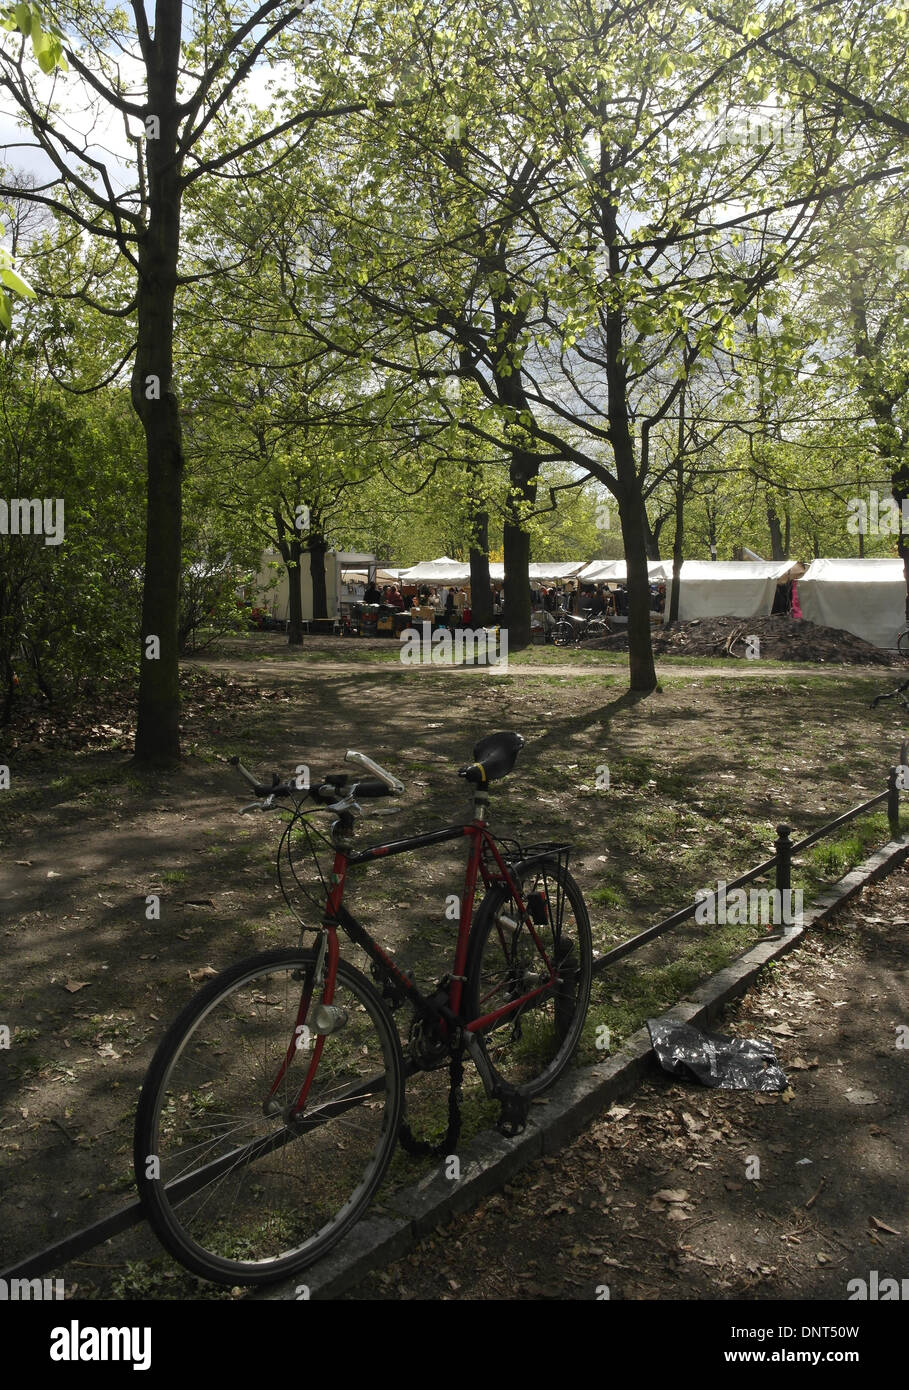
[
  {"x": 236, "y": 1188},
  {"x": 563, "y": 635},
  {"x": 902, "y": 643},
  {"x": 510, "y": 955}
]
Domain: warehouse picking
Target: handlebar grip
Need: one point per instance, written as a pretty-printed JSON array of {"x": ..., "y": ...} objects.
[{"x": 370, "y": 786}]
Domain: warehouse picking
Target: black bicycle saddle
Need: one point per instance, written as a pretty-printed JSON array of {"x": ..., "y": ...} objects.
[{"x": 494, "y": 757}]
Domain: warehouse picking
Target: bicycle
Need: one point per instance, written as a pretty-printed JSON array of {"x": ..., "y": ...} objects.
[
  {"x": 902, "y": 643},
  {"x": 570, "y": 629},
  {"x": 274, "y": 1102}
]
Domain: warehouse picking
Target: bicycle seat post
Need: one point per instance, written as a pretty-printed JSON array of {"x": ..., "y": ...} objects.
[{"x": 480, "y": 803}]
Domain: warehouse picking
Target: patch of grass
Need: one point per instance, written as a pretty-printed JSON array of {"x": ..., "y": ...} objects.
[
  {"x": 607, "y": 894},
  {"x": 835, "y": 855}
]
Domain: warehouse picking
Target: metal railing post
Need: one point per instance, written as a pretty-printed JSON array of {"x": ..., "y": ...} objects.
[
  {"x": 783, "y": 847},
  {"x": 893, "y": 803}
]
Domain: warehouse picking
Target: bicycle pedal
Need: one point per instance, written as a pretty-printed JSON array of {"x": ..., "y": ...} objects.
[{"x": 513, "y": 1114}]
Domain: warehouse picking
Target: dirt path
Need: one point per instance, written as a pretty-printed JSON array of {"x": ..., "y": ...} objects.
[
  {"x": 286, "y": 670},
  {"x": 660, "y": 1198}
]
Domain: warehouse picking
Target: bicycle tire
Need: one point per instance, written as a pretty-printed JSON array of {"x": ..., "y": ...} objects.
[
  {"x": 563, "y": 635},
  {"x": 902, "y": 643},
  {"x": 500, "y": 957},
  {"x": 305, "y": 1188}
]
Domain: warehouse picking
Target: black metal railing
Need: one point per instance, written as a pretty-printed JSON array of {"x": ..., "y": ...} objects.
[{"x": 781, "y": 861}]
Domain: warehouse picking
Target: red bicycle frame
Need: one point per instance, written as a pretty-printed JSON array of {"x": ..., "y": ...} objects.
[{"x": 448, "y": 1014}]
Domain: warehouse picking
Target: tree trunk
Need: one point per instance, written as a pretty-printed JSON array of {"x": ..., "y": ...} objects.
[
  {"x": 517, "y": 584},
  {"x": 642, "y": 673},
  {"x": 154, "y": 401},
  {"x": 779, "y": 543},
  {"x": 291, "y": 548},
  {"x": 480, "y": 595},
  {"x": 890, "y": 439},
  {"x": 652, "y": 535},
  {"x": 679, "y": 512},
  {"x": 318, "y": 548},
  {"x": 294, "y": 591}
]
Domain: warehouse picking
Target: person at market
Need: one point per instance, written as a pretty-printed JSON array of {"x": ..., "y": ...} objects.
[
  {"x": 394, "y": 597},
  {"x": 373, "y": 594}
]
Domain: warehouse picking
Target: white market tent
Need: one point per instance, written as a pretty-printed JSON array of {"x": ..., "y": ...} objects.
[
  {"x": 729, "y": 588},
  {"x": 549, "y": 571},
  {"x": 616, "y": 571},
  {"x": 864, "y": 597},
  {"x": 441, "y": 571},
  {"x": 448, "y": 571}
]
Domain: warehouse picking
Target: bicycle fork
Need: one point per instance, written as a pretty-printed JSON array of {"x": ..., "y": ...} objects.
[{"x": 315, "y": 1015}]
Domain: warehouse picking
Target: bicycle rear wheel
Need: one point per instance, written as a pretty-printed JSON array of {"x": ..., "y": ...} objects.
[
  {"x": 237, "y": 1194},
  {"x": 530, "y": 1048},
  {"x": 902, "y": 643}
]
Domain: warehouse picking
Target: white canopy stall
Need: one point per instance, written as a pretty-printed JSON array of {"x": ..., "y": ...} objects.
[
  {"x": 728, "y": 588},
  {"x": 864, "y": 597},
  {"x": 616, "y": 572},
  {"x": 444, "y": 570},
  {"x": 448, "y": 571}
]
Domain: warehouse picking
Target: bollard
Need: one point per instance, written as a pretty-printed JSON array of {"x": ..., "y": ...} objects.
[{"x": 783, "y": 849}]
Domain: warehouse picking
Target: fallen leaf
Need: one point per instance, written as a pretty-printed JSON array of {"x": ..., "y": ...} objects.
[
  {"x": 74, "y": 985},
  {"x": 882, "y": 1226},
  {"x": 207, "y": 972},
  {"x": 671, "y": 1194},
  {"x": 859, "y": 1097}
]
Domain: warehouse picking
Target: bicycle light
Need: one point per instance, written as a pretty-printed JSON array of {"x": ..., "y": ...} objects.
[{"x": 326, "y": 1018}]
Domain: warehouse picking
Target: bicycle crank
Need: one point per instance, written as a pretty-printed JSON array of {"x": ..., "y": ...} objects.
[{"x": 513, "y": 1112}]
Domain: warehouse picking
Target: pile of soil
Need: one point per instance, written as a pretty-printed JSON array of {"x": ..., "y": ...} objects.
[{"x": 782, "y": 638}]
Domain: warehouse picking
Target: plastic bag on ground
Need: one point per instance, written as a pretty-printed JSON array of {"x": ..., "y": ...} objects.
[{"x": 731, "y": 1064}]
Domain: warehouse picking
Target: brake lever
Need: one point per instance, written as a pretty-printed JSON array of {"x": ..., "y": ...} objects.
[{"x": 265, "y": 805}]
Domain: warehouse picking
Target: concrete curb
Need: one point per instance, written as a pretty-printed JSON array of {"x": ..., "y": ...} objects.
[{"x": 490, "y": 1160}]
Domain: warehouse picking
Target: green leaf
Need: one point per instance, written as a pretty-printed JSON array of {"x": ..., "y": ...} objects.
[{"x": 12, "y": 281}]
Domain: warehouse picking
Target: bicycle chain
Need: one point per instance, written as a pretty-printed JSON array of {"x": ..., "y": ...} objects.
[{"x": 421, "y": 1148}]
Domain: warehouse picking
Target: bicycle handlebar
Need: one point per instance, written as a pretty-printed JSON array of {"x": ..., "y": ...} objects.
[
  {"x": 890, "y": 695},
  {"x": 394, "y": 786},
  {"x": 332, "y": 795}
]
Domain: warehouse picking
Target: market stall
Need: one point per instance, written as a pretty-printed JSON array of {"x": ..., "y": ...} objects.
[{"x": 864, "y": 597}]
